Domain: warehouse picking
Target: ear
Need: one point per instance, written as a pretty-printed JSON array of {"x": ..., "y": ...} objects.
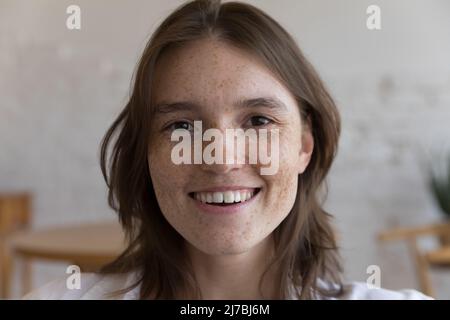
[{"x": 307, "y": 147}]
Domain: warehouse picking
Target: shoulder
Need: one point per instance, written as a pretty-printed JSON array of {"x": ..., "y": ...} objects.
[
  {"x": 92, "y": 286},
  {"x": 362, "y": 291}
]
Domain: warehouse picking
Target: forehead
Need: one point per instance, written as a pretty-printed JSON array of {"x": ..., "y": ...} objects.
[{"x": 213, "y": 70}]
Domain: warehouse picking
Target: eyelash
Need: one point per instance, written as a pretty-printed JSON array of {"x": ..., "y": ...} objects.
[
  {"x": 268, "y": 121},
  {"x": 171, "y": 127}
]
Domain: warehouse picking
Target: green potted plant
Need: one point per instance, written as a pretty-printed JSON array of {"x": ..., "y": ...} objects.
[{"x": 440, "y": 188}]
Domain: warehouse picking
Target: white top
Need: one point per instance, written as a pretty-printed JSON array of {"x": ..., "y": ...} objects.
[{"x": 97, "y": 287}]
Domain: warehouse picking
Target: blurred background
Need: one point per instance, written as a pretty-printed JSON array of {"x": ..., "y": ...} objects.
[{"x": 60, "y": 90}]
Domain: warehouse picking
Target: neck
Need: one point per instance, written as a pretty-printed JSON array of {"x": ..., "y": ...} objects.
[{"x": 235, "y": 276}]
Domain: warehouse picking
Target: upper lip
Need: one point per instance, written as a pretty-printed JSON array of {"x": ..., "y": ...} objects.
[{"x": 224, "y": 188}]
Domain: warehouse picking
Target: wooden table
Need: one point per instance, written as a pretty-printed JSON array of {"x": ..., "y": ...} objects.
[{"x": 88, "y": 246}]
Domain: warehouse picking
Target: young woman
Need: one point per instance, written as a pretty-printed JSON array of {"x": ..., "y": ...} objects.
[{"x": 222, "y": 230}]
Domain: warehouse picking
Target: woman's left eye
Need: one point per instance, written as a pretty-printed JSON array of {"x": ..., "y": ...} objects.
[{"x": 258, "y": 121}]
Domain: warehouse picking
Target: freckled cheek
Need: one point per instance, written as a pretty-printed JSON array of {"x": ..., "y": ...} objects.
[
  {"x": 169, "y": 182},
  {"x": 164, "y": 173},
  {"x": 283, "y": 185}
]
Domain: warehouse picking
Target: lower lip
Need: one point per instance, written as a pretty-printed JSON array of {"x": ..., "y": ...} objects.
[{"x": 229, "y": 209}]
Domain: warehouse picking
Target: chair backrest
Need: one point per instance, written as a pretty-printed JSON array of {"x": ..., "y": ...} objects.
[
  {"x": 15, "y": 215},
  {"x": 422, "y": 260},
  {"x": 436, "y": 230},
  {"x": 15, "y": 212}
]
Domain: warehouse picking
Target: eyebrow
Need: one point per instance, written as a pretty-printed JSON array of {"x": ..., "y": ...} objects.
[
  {"x": 175, "y": 106},
  {"x": 266, "y": 102}
]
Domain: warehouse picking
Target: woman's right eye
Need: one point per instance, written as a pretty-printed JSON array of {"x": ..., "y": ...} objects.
[{"x": 181, "y": 125}]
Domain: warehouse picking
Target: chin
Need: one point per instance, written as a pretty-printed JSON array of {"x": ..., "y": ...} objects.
[{"x": 224, "y": 248}]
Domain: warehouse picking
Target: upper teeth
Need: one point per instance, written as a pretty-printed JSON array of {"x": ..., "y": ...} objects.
[{"x": 224, "y": 197}]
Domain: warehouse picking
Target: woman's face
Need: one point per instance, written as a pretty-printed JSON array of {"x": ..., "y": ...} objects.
[{"x": 204, "y": 202}]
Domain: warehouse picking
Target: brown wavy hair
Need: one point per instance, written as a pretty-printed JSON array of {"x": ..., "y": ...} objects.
[{"x": 305, "y": 243}]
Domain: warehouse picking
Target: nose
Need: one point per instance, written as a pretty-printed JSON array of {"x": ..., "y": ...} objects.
[{"x": 220, "y": 152}]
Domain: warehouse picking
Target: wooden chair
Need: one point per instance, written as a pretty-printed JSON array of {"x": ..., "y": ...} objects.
[
  {"x": 424, "y": 260},
  {"x": 15, "y": 214}
]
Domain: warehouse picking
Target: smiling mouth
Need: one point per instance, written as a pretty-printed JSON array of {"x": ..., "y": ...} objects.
[{"x": 225, "y": 198}]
